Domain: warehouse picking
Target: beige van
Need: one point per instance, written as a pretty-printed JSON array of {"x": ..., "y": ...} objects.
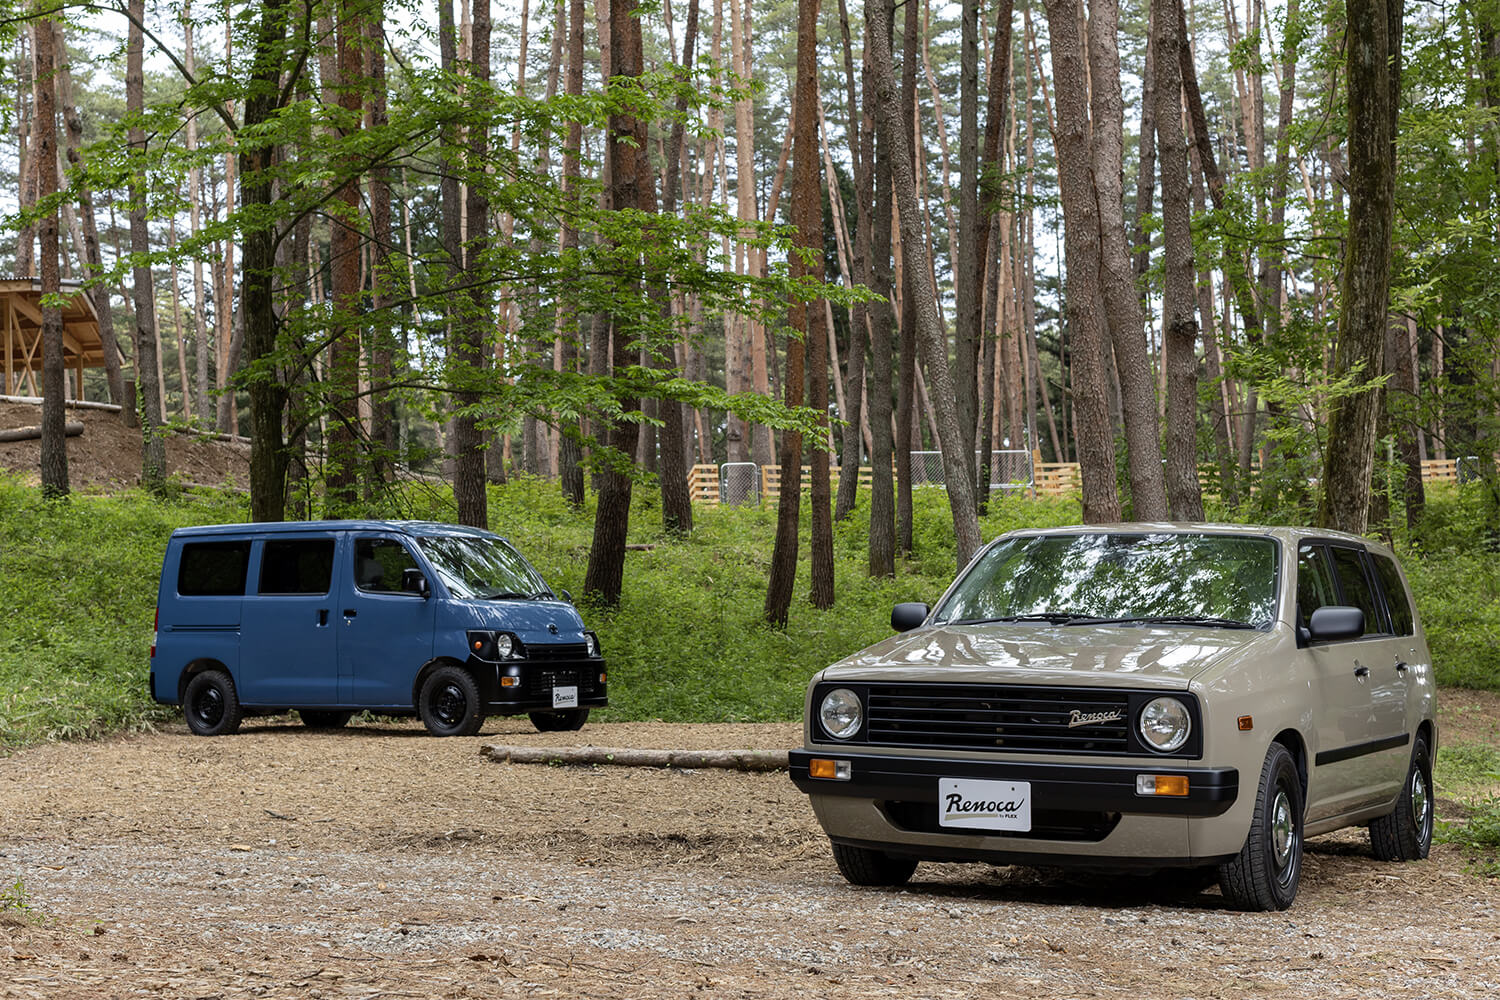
[{"x": 1143, "y": 696}]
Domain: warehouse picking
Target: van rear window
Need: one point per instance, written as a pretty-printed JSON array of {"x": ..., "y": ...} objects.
[
  {"x": 213, "y": 569},
  {"x": 296, "y": 566}
]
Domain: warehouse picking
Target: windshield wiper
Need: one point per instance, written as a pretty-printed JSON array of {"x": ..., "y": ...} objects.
[
  {"x": 1206, "y": 620},
  {"x": 1051, "y": 617},
  {"x": 507, "y": 595}
]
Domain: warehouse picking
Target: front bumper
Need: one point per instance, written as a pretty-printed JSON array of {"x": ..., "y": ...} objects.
[
  {"x": 1082, "y": 814},
  {"x": 535, "y": 681},
  {"x": 1106, "y": 788}
]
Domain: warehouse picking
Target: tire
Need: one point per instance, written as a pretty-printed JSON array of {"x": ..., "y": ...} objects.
[
  {"x": 210, "y": 704},
  {"x": 324, "y": 718},
  {"x": 862, "y": 866},
  {"x": 1406, "y": 834},
  {"x": 1265, "y": 874},
  {"x": 449, "y": 703},
  {"x": 566, "y": 720}
]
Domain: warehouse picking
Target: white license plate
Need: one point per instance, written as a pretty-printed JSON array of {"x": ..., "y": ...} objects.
[
  {"x": 565, "y": 697},
  {"x": 972, "y": 804}
]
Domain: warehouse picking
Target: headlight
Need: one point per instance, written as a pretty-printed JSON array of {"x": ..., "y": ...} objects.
[
  {"x": 590, "y": 644},
  {"x": 840, "y": 713},
  {"x": 504, "y": 645},
  {"x": 1165, "y": 724}
]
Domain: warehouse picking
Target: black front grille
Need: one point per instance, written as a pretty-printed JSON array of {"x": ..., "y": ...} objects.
[
  {"x": 557, "y": 652},
  {"x": 541, "y": 682},
  {"x": 988, "y": 717}
]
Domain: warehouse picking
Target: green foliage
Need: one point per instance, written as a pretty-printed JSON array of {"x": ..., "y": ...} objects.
[
  {"x": 78, "y": 580},
  {"x": 1470, "y": 773},
  {"x": 16, "y": 899}
]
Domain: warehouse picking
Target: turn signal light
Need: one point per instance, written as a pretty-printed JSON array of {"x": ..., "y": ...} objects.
[
  {"x": 833, "y": 770},
  {"x": 509, "y": 682},
  {"x": 1161, "y": 784},
  {"x": 1247, "y": 723}
]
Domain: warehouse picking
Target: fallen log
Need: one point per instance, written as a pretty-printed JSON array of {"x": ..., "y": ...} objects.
[
  {"x": 72, "y": 428},
  {"x": 734, "y": 760}
]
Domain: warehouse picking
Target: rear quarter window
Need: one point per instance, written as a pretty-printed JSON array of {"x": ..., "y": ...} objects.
[
  {"x": 1402, "y": 619},
  {"x": 213, "y": 569}
]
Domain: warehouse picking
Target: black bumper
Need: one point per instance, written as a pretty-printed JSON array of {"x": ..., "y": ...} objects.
[
  {"x": 1093, "y": 787},
  {"x": 534, "y": 681}
]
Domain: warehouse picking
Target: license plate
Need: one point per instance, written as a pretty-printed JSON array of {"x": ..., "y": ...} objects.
[
  {"x": 565, "y": 697},
  {"x": 972, "y": 804}
]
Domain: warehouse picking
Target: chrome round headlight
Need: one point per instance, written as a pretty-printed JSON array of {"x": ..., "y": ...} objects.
[
  {"x": 590, "y": 644},
  {"x": 1165, "y": 724},
  {"x": 504, "y": 645},
  {"x": 841, "y": 713}
]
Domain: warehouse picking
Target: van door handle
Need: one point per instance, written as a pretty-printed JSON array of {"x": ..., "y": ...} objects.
[
  {"x": 322, "y": 616},
  {"x": 1401, "y": 667},
  {"x": 350, "y": 613},
  {"x": 1361, "y": 671}
]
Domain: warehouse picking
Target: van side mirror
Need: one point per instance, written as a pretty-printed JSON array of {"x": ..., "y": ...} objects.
[
  {"x": 567, "y": 596},
  {"x": 1335, "y": 622},
  {"x": 905, "y": 617},
  {"x": 414, "y": 581}
]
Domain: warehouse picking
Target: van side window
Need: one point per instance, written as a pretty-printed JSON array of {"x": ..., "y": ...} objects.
[
  {"x": 1395, "y": 594},
  {"x": 213, "y": 569},
  {"x": 379, "y": 564},
  {"x": 1356, "y": 587},
  {"x": 296, "y": 566},
  {"x": 1315, "y": 587}
]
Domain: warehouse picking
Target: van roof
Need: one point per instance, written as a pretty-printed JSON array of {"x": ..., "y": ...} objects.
[{"x": 426, "y": 528}]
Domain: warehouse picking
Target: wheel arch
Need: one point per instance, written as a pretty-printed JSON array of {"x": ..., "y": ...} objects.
[
  {"x": 198, "y": 666},
  {"x": 1297, "y": 747},
  {"x": 427, "y": 671}
]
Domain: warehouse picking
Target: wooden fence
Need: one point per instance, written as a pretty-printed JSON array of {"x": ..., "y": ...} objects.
[{"x": 1052, "y": 479}]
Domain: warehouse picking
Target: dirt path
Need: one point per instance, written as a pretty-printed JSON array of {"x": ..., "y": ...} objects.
[{"x": 377, "y": 862}]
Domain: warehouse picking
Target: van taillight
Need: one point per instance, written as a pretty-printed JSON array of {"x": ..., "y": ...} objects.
[{"x": 155, "y": 627}]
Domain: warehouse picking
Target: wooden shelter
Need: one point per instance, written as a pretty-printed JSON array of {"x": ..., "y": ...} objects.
[{"x": 21, "y": 335}]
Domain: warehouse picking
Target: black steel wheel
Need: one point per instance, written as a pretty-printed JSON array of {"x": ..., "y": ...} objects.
[
  {"x": 1406, "y": 834},
  {"x": 864, "y": 866},
  {"x": 563, "y": 720},
  {"x": 210, "y": 704},
  {"x": 449, "y": 703},
  {"x": 324, "y": 718},
  {"x": 1265, "y": 874}
]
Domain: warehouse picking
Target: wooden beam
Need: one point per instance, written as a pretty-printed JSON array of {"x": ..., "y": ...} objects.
[
  {"x": 10, "y": 361},
  {"x": 24, "y": 307}
]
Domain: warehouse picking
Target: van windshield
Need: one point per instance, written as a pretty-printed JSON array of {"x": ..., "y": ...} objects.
[{"x": 483, "y": 568}]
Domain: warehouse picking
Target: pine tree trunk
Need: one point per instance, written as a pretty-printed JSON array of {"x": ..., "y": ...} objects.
[
  {"x": 383, "y": 429},
  {"x": 54, "y": 448},
  {"x": 957, "y": 458},
  {"x": 478, "y": 320},
  {"x": 1373, "y": 62},
  {"x": 569, "y": 453},
  {"x": 153, "y": 444},
  {"x": 861, "y": 150},
  {"x": 1086, "y": 323},
  {"x": 1179, "y": 324},
  {"x": 630, "y": 185}
]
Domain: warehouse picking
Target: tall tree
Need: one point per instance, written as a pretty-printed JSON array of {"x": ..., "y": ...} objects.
[
  {"x": 54, "y": 458},
  {"x": 929, "y": 331},
  {"x": 676, "y": 502},
  {"x": 1372, "y": 48},
  {"x": 569, "y": 331},
  {"x": 970, "y": 269},
  {"x": 383, "y": 425},
  {"x": 630, "y": 186},
  {"x": 882, "y": 543},
  {"x": 806, "y": 321},
  {"x": 1087, "y": 326},
  {"x": 346, "y": 89},
  {"x": 477, "y": 322},
  {"x": 1179, "y": 324},
  {"x": 153, "y": 443},
  {"x": 1122, "y": 313}
]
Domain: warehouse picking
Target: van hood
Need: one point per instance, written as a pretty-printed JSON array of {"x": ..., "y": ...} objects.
[
  {"x": 1135, "y": 655},
  {"x": 535, "y": 623}
]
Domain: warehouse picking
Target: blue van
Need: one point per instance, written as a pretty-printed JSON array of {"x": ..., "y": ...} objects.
[{"x": 334, "y": 617}]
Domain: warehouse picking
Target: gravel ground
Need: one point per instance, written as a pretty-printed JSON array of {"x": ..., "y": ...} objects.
[{"x": 377, "y": 862}]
